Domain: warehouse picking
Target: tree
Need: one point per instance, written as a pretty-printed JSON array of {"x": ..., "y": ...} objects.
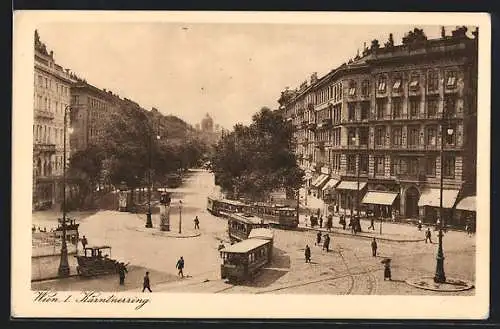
[
  {"x": 254, "y": 160},
  {"x": 85, "y": 170}
]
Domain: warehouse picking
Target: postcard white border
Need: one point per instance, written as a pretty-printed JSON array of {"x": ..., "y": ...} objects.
[{"x": 247, "y": 306}]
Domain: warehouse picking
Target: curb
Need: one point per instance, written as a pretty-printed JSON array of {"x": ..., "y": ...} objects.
[
  {"x": 54, "y": 278},
  {"x": 462, "y": 285},
  {"x": 168, "y": 234},
  {"x": 361, "y": 235}
]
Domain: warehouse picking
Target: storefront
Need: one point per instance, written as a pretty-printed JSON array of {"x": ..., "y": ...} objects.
[
  {"x": 429, "y": 204},
  {"x": 328, "y": 190},
  {"x": 381, "y": 203},
  {"x": 318, "y": 183},
  {"x": 466, "y": 212},
  {"x": 348, "y": 191}
]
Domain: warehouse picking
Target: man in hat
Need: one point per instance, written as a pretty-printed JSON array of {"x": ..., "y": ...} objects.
[
  {"x": 374, "y": 247},
  {"x": 318, "y": 238},
  {"x": 145, "y": 284},
  {"x": 387, "y": 269},
  {"x": 428, "y": 235},
  {"x": 326, "y": 244}
]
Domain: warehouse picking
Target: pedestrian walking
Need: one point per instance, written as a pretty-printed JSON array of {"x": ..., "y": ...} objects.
[
  {"x": 84, "y": 242},
  {"x": 428, "y": 235},
  {"x": 180, "y": 266},
  {"x": 326, "y": 244},
  {"x": 387, "y": 269},
  {"x": 342, "y": 222},
  {"x": 372, "y": 223},
  {"x": 374, "y": 247},
  {"x": 321, "y": 221},
  {"x": 145, "y": 284},
  {"x": 318, "y": 238},
  {"x": 307, "y": 254},
  {"x": 329, "y": 222},
  {"x": 196, "y": 223},
  {"x": 122, "y": 269}
]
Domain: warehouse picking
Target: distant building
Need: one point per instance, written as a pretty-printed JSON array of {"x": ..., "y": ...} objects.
[
  {"x": 51, "y": 96},
  {"x": 91, "y": 105},
  {"x": 207, "y": 124},
  {"x": 379, "y": 123}
]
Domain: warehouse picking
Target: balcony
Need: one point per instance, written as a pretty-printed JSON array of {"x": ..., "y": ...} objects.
[
  {"x": 325, "y": 123},
  {"x": 44, "y": 114},
  {"x": 311, "y": 126},
  {"x": 452, "y": 147},
  {"x": 45, "y": 147},
  {"x": 304, "y": 124},
  {"x": 415, "y": 147},
  {"x": 409, "y": 177},
  {"x": 357, "y": 147},
  {"x": 320, "y": 145},
  {"x": 310, "y": 106},
  {"x": 382, "y": 146}
]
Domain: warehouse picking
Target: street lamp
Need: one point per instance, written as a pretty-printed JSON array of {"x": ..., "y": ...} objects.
[
  {"x": 357, "y": 174},
  {"x": 180, "y": 216},
  {"x": 149, "y": 222},
  {"x": 439, "y": 276},
  {"x": 63, "y": 270}
]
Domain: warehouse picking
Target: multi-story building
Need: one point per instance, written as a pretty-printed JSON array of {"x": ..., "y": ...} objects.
[
  {"x": 373, "y": 130},
  {"x": 91, "y": 105},
  {"x": 51, "y": 96}
]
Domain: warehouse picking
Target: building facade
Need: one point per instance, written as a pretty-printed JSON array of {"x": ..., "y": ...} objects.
[
  {"x": 90, "y": 105},
  {"x": 51, "y": 96},
  {"x": 374, "y": 130}
]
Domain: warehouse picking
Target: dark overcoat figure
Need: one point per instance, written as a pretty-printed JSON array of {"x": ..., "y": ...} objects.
[
  {"x": 321, "y": 221},
  {"x": 307, "y": 254},
  {"x": 180, "y": 266},
  {"x": 326, "y": 244},
  {"x": 145, "y": 284},
  {"x": 122, "y": 269},
  {"x": 374, "y": 247},
  {"x": 387, "y": 269},
  {"x": 428, "y": 235},
  {"x": 318, "y": 238}
]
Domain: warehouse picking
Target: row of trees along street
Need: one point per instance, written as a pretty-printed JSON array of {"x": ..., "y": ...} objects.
[
  {"x": 252, "y": 161},
  {"x": 128, "y": 137}
]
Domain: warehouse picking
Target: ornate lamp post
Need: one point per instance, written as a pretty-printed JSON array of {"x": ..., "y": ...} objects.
[
  {"x": 63, "y": 270},
  {"x": 439, "y": 276},
  {"x": 357, "y": 175}
]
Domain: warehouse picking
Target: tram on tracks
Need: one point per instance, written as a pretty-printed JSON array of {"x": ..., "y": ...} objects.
[
  {"x": 241, "y": 261},
  {"x": 240, "y": 225},
  {"x": 276, "y": 215}
]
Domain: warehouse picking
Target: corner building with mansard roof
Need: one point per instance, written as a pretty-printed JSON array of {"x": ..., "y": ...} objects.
[{"x": 373, "y": 131}]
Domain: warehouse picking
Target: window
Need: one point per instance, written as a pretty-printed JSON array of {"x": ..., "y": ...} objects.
[
  {"x": 396, "y": 87},
  {"x": 396, "y": 108},
  {"x": 414, "y": 81},
  {"x": 382, "y": 84},
  {"x": 449, "y": 166},
  {"x": 351, "y": 111},
  {"x": 365, "y": 109},
  {"x": 396, "y": 165},
  {"x": 397, "y": 136},
  {"x": 380, "y": 136},
  {"x": 363, "y": 163},
  {"x": 430, "y": 166},
  {"x": 351, "y": 137},
  {"x": 365, "y": 88},
  {"x": 432, "y": 107},
  {"x": 351, "y": 163},
  {"x": 450, "y": 105},
  {"x": 450, "y": 135},
  {"x": 413, "y": 135},
  {"x": 40, "y": 80},
  {"x": 46, "y": 83},
  {"x": 380, "y": 109},
  {"x": 363, "y": 136},
  {"x": 413, "y": 166},
  {"x": 433, "y": 80},
  {"x": 379, "y": 165},
  {"x": 414, "y": 107},
  {"x": 451, "y": 79},
  {"x": 431, "y": 133},
  {"x": 352, "y": 88}
]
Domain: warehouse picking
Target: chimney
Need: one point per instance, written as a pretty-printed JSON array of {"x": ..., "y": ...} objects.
[
  {"x": 51, "y": 53},
  {"x": 104, "y": 89}
]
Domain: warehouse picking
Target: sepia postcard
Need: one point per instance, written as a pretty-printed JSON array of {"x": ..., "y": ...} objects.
[{"x": 251, "y": 165}]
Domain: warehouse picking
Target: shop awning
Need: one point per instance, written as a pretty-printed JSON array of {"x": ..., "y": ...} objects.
[
  {"x": 330, "y": 184},
  {"x": 380, "y": 197},
  {"x": 468, "y": 203},
  {"x": 350, "y": 185},
  {"x": 430, "y": 197},
  {"x": 320, "y": 180}
]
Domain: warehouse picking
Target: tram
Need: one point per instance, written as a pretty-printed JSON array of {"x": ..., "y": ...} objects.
[
  {"x": 241, "y": 261},
  {"x": 240, "y": 225},
  {"x": 275, "y": 214},
  {"x": 222, "y": 207}
]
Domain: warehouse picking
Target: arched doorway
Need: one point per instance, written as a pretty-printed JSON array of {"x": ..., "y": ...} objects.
[{"x": 411, "y": 202}]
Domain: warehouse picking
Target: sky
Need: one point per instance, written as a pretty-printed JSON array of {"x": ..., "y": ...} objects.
[{"x": 227, "y": 70}]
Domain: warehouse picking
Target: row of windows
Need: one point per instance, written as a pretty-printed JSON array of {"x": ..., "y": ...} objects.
[
  {"x": 48, "y": 83},
  {"x": 49, "y": 167},
  {"x": 433, "y": 82},
  {"x": 429, "y": 133},
  {"x": 46, "y": 104},
  {"x": 399, "y": 165},
  {"x": 48, "y": 135}
]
